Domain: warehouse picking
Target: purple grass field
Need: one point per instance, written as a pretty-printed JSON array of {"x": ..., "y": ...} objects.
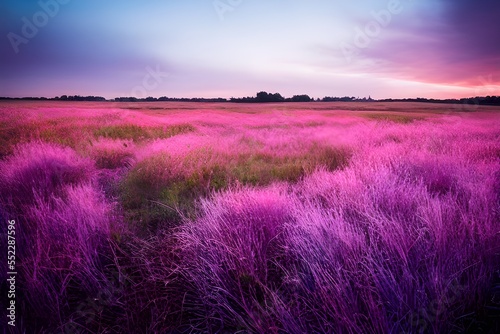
[{"x": 251, "y": 218}]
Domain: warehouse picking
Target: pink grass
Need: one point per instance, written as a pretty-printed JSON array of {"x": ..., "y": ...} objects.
[{"x": 390, "y": 222}]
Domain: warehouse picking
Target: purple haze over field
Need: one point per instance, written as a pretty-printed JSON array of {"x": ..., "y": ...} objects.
[{"x": 428, "y": 48}]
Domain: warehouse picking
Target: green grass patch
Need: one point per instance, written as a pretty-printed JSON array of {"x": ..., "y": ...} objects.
[
  {"x": 157, "y": 192},
  {"x": 139, "y": 133},
  {"x": 12, "y": 134},
  {"x": 160, "y": 190},
  {"x": 112, "y": 158},
  {"x": 61, "y": 133},
  {"x": 263, "y": 169},
  {"x": 389, "y": 117},
  {"x": 65, "y": 134}
]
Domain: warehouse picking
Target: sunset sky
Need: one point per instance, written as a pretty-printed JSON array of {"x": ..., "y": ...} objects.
[{"x": 206, "y": 48}]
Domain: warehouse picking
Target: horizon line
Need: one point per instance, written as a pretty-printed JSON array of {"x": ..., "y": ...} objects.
[{"x": 66, "y": 97}]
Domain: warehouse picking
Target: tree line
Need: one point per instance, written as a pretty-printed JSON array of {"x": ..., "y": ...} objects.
[{"x": 265, "y": 97}]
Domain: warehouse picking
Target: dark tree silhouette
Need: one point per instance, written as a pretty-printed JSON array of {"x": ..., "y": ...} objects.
[
  {"x": 268, "y": 97},
  {"x": 301, "y": 98}
]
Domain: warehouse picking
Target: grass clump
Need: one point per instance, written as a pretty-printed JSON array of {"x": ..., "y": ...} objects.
[
  {"x": 63, "y": 229},
  {"x": 112, "y": 154},
  {"x": 40, "y": 170}
]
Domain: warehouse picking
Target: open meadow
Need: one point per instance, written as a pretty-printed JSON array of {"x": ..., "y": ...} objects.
[{"x": 318, "y": 217}]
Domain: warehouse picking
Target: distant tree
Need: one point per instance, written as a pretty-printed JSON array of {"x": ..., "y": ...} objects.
[
  {"x": 267, "y": 97},
  {"x": 301, "y": 98},
  {"x": 262, "y": 97}
]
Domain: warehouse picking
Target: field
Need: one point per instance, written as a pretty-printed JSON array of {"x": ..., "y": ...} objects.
[{"x": 252, "y": 218}]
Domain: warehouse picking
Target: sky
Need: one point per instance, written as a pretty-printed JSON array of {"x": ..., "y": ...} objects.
[{"x": 234, "y": 48}]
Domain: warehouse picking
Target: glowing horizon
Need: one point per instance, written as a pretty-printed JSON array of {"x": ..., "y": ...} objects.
[{"x": 205, "y": 48}]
